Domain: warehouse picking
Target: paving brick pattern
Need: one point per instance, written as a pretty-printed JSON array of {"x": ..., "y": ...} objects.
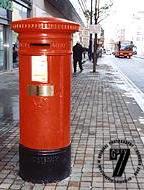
[{"x": 101, "y": 112}]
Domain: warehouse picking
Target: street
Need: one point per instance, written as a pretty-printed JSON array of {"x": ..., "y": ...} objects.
[
  {"x": 133, "y": 68},
  {"x": 132, "y": 76}
]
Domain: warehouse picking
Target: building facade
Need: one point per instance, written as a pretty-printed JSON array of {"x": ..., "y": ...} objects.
[{"x": 11, "y": 10}]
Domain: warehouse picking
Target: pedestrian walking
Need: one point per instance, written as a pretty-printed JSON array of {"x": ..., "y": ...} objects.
[
  {"x": 77, "y": 56},
  {"x": 15, "y": 53}
]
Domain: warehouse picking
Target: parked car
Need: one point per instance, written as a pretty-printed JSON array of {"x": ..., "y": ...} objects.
[
  {"x": 134, "y": 52},
  {"x": 108, "y": 52}
]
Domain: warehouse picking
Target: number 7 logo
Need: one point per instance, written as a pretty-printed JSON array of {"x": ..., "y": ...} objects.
[{"x": 122, "y": 161}]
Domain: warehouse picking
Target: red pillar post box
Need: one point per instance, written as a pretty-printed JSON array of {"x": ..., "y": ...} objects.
[{"x": 45, "y": 82}]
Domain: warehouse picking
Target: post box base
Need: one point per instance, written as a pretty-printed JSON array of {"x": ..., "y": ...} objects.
[{"x": 39, "y": 166}]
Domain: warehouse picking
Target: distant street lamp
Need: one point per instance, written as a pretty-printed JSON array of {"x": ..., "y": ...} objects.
[
  {"x": 99, "y": 15},
  {"x": 96, "y": 16},
  {"x": 90, "y": 40}
]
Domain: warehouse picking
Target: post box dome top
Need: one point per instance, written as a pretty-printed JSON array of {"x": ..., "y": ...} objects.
[{"x": 44, "y": 24}]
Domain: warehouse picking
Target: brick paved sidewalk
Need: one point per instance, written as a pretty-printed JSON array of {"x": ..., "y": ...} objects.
[{"x": 102, "y": 111}]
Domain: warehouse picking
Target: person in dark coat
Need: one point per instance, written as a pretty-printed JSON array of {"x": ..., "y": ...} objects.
[
  {"x": 15, "y": 53},
  {"x": 77, "y": 56}
]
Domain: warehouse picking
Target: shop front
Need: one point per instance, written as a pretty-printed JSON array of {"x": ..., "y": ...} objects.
[
  {"x": 21, "y": 10},
  {"x": 4, "y": 23},
  {"x": 10, "y": 11}
]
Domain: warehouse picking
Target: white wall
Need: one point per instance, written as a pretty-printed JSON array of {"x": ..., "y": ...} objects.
[{"x": 43, "y": 8}]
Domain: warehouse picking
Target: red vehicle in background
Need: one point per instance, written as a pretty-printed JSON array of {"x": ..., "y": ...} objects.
[{"x": 124, "y": 49}]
